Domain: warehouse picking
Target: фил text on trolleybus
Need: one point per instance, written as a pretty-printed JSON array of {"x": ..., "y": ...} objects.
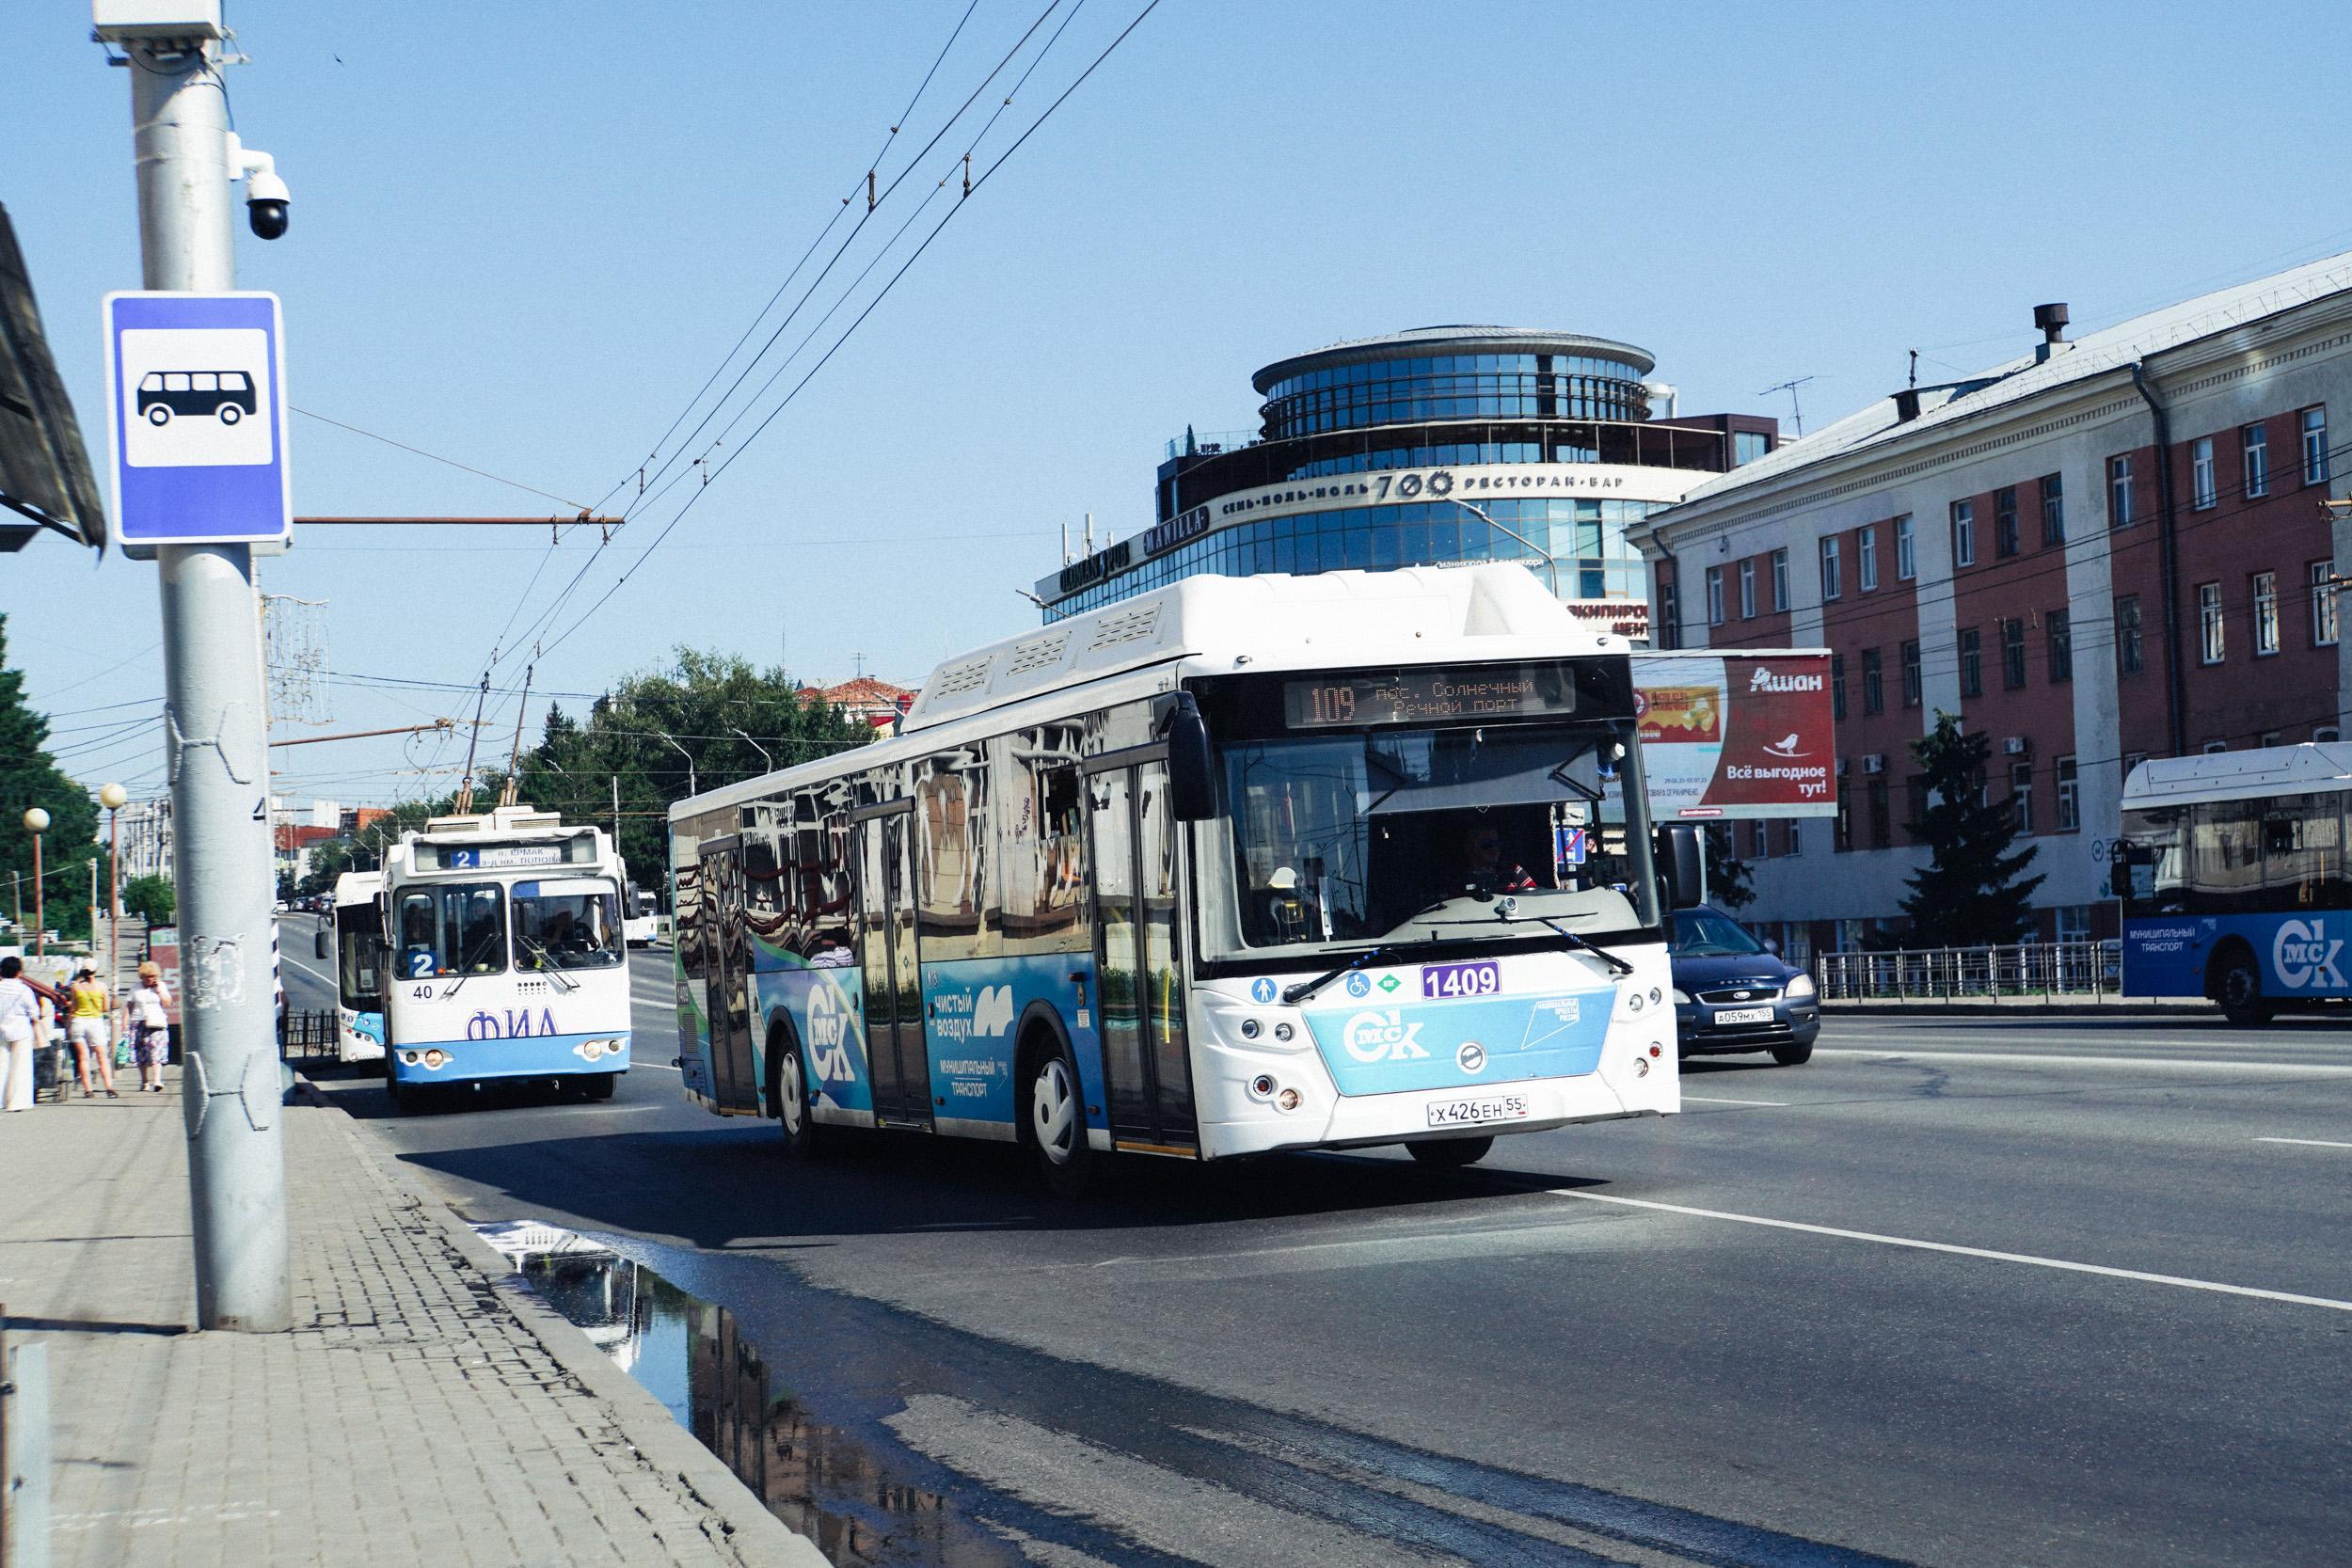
[
  {"x": 2231, "y": 871},
  {"x": 1244, "y": 865},
  {"x": 506, "y": 955},
  {"x": 355, "y": 926}
]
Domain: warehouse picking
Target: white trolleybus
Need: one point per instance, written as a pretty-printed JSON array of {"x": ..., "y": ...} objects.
[
  {"x": 505, "y": 954},
  {"x": 1243, "y": 865},
  {"x": 354, "y": 924}
]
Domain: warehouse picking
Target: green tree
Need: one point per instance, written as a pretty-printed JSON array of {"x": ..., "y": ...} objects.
[
  {"x": 1972, "y": 891},
  {"x": 151, "y": 898},
  {"x": 1726, "y": 874},
  {"x": 29, "y": 776},
  {"x": 714, "y": 709}
]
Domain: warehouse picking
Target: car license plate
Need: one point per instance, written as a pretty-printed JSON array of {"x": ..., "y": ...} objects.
[
  {"x": 1475, "y": 1113},
  {"x": 1446, "y": 981},
  {"x": 1745, "y": 1014}
]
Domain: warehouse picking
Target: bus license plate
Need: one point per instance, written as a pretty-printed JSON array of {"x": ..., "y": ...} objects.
[
  {"x": 1745, "y": 1014},
  {"x": 1473, "y": 1112},
  {"x": 1446, "y": 981}
]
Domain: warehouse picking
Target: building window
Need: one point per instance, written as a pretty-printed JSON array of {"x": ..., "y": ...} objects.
[
  {"x": 1916, "y": 797},
  {"x": 2073, "y": 921},
  {"x": 2265, "y": 597},
  {"x": 1747, "y": 590},
  {"x": 1866, "y": 557},
  {"x": 1971, "y": 662},
  {"x": 2210, "y": 647},
  {"x": 2323, "y": 604},
  {"x": 1838, "y": 687},
  {"x": 2005, "y": 521},
  {"x": 2209, "y": 626},
  {"x": 1760, "y": 847},
  {"x": 2254, "y": 445},
  {"x": 2061, "y": 640},
  {"x": 1748, "y": 445},
  {"x": 2013, "y": 655},
  {"x": 1873, "y": 686},
  {"x": 2119, "y": 492},
  {"x": 1911, "y": 674},
  {"x": 2326, "y": 735},
  {"x": 1882, "y": 829},
  {"x": 1796, "y": 831},
  {"x": 1780, "y": 579},
  {"x": 1670, "y": 615},
  {"x": 1963, "y": 533},
  {"x": 1714, "y": 596},
  {"x": 2021, "y": 794},
  {"x": 2127, "y": 655},
  {"x": 2053, "y": 510},
  {"x": 2269, "y": 738},
  {"x": 2215, "y": 748},
  {"x": 2315, "y": 446},
  {"x": 2203, "y": 492},
  {"x": 1844, "y": 839},
  {"x": 2070, "y": 811},
  {"x": 1832, "y": 584},
  {"x": 1906, "y": 552}
]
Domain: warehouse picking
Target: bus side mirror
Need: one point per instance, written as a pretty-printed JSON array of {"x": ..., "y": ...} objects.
[
  {"x": 1191, "y": 776},
  {"x": 1682, "y": 865},
  {"x": 318, "y": 943}
]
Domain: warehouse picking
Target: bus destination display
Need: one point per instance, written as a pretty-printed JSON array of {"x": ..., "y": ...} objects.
[{"x": 1427, "y": 695}]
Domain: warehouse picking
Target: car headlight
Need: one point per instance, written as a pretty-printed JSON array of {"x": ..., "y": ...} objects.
[
  {"x": 1681, "y": 1000},
  {"x": 1800, "y": 989}
]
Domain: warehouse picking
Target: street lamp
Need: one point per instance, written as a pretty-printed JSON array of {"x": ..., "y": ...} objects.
[
  {"x": 756, "y": 747},
  {"x": 1551, "y": 566},
  {"x": 37, "y": 823},
  {"x": 114, "y": 797},
  {"x": 681, "y": 751}
]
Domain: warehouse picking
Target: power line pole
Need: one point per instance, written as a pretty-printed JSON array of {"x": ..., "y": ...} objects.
[{"x": 217, "y": 756}]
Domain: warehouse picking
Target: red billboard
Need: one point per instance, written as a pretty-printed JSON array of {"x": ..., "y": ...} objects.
[{"x": 1733, "y": 734}]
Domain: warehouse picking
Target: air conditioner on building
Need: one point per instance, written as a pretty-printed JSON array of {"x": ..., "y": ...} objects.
[
  {"x": 1841, "y": 767},
  {"x": 1874, "y": 762},
  {"x": 2016, "y": 745}
]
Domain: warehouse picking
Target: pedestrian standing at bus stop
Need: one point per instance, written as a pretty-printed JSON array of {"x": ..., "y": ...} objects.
[
  {"x": 19, "y": 1036},
  {"x": 92, "y": 1034}
]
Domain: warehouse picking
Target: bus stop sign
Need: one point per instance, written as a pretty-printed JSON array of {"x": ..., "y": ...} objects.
[{"x": 196, "y": 421}]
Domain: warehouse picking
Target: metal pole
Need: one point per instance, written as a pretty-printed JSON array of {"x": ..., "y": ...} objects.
[
  {"x": 1551, "y": 567},
  {"x": 218, "y": 753},
  {"x": 114, "y": 900},
  {"x": 41, "y": 916}
]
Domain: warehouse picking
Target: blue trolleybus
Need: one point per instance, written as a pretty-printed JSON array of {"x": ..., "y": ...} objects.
[
  {"x": 2231, "y": 873},
  {"x": 1244, "y": 865},
  {"x": 504, "y": 940}
]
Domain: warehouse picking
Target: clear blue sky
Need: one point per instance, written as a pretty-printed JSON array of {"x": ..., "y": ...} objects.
[{"x": 524, "y": 234}]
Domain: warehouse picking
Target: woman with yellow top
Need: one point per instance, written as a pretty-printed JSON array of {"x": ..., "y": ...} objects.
[{"x": 93, "y": 1040}]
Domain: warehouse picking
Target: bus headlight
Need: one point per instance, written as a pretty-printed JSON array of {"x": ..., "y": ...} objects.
[
  {"x": 436, "y": 1058},
  {"x": 1800, "y": 989},
  {"x": 1250, "y": 1027}
]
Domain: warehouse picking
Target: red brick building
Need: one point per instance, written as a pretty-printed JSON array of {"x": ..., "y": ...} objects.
[{"x": 2104, "y": 550}]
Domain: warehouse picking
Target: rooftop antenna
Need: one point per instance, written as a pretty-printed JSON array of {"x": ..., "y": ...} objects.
[
  {"x": 1090, "y": 533},
  {"x": 857, "y": 662},
  {"x": 1065, "y": 542},
  {"x": 1914, "y": 367},
  {"x": 1795, "y": 413}
]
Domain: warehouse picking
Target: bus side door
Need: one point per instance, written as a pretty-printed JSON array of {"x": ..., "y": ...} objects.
[
  {"x": 728, "y": 936},
  {"x": 895, "y": 1052},
  {"x": 1146, "y": 1064}
]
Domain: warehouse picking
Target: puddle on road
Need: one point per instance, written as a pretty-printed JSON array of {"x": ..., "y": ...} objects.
[{"x": 821, "y": 1480}]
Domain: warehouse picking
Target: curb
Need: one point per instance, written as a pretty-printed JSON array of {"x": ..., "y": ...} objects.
[
  {"x": 753, "y": 1532},
  {"x": 2192, "y": 1011}
]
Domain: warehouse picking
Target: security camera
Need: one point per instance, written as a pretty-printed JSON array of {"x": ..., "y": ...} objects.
[{"x": 266, "y": 195}]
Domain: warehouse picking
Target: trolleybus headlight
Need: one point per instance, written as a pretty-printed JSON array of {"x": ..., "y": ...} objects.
[
  {"x": 1287, "y": 1099},
  {"x": 1282, "y": 1031},
  {"x": 1633, "y": 1003},
  {"x": 1653, "y": 993},
  {"x": 1641, "y": 1067},
  {"x": 1250, "y": 1027},
  {"x": 435, "y": 1058},
  {"x": 411, "y": 1057}
]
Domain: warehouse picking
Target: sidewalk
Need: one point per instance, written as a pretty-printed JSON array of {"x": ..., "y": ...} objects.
[{"x": 426, "y": 1410}]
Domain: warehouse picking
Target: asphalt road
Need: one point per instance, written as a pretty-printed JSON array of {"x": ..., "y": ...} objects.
[{"x": 1958, "y": 1291}]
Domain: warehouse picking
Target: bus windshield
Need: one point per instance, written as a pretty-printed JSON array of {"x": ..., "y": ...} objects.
[
  {"x": 455, "y": 929},
  {"x": 572, "y": 923},
  {"x": 1340, "y": 839}
]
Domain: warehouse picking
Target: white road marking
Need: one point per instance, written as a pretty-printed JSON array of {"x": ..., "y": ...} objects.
[
  {"x": 2101, "y": 1269},
  {"x": 2308, "y": 1143},
  {"x": 1915, "y": 1058},
  {"x": 1718, "y": 1100},
  {"x": 315, "y": 973}
]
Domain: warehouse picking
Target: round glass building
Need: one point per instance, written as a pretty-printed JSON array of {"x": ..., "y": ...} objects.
[{"x": 1440, "y": 446}]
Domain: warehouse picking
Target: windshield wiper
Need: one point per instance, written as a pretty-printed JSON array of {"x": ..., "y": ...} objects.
[
  {"x": 1617, "y": 965},
  {"x": 547, "y": 964},
  {"x": 1305, "y": 989}
]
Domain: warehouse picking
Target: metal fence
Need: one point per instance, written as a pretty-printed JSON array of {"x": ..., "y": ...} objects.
[
  {"x": 2092, "y": 969},
  {"x": 305, "y": 1033}
]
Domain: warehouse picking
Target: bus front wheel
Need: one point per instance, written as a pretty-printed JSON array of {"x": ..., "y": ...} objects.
[
  {"x": 1450, "y": 1153},
  {"x": 1053, "y": 1123},
  {"x": 2238, "y": 988}
]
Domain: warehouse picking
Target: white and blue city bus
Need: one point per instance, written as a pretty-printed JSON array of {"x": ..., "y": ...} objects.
[
  {"x": 2231, "y": 874},
  {"x": 355, "y": 923},
  {"x": 1243, "y": 865},
  {"x": 506, "y": 954}
]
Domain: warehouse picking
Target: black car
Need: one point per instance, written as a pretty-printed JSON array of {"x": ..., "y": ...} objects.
[{"x": 1731, "y": 994}]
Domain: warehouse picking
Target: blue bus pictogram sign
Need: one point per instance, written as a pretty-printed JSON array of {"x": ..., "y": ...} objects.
[{"x": 195, "y": 420}]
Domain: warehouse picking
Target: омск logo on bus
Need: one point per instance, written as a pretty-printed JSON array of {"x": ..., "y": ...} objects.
[
  {"x": 829, "y": 1036},
  {"x": 1382, "y": 1036},
  {"x": 2304, "y": 954}
]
